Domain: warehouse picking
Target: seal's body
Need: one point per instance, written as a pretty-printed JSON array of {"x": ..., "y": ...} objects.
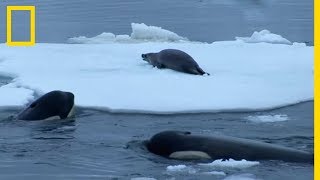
[
  {"x": 183, "y": 145},
  {"x": 174, "y": 59},
  {"x": 55, "y": 104}
]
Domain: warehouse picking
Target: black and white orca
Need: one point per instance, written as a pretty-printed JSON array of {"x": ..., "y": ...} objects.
[
  {"x": 53, "y": 105},
  {"x": 186, "y": 146}
]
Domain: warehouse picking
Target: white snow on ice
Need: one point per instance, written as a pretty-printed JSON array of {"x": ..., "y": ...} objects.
[
  {"x": 179, "y": 167},
  {"x": 112, "y": 76},
  {"x": 218, "y": 173},
  {"x": 191, "y": 170},
  {"x": 265, "y": 36},
  {"x": 140, "y": 33},
  {"x": 241, "y": 177},
  {"x": 14, "y": 96},
  {"x": 231, "y": 163},
  {"x": 143, "y": 178},
  {"x": 227, "y": 164},
  {"x": 268, "y": 118}
]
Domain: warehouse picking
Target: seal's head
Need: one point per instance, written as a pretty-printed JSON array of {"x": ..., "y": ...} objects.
[
  {"x": 144, "y": 57},
  {"x": 54, "y": 104},
  {"x": 149, "y": 57}
]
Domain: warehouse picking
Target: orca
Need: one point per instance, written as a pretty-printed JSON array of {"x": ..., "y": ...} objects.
[
  {"x": 53, "y": 105},
  {"x": 183, "y": 145}
]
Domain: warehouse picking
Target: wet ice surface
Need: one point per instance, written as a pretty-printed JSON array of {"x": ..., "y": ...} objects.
[
  {"x": 101, "y": 145},
  {"x": 245, "y": 76},
  {"x": 4, "y": 80}
]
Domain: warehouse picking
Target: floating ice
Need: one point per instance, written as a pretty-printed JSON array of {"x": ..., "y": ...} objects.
[
  {"x": 244, "y": 76},
  {"x": 268, "y": 118},
  {"x": 218, "y": 173},
  {"x": 143, "y": 178},
  {"x": 181, "y": 168},
  {"x": 153, "y": 33},
  {"x": 264, "y": 36},
  {"x": 100, "y": 39},
  {"x": 140, "y": 33},
  {"x": 241, "y": 177},
  {"x": 176, "y": 167},
  {"x": 232, "y": 163}
]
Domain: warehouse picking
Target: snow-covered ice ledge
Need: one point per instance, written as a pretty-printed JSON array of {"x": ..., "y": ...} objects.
[{"x": 112, "y": 76}]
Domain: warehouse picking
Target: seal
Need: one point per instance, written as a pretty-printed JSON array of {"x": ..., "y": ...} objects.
[
  {"x": 186, "y": 146},
  {"x": 53, "y": 105},
  {"x": 174, "y": 59}
]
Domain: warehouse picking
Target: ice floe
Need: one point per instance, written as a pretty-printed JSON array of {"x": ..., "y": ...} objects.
[
  {"x": 140, "y": 33},
  {"x": 113, "y": 77},
  {"x": 268, "y": 118},
  {"x": 264, "y": 36},
  {"x": 231, "y": 163}
]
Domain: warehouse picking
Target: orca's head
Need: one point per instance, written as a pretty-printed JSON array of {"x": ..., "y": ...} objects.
[
  {"x": 55, "y": 104},
  {"x": 166, "y": 142}
]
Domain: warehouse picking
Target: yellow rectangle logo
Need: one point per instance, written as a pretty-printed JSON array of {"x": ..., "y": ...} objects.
[{"x": 32, "y": 25}]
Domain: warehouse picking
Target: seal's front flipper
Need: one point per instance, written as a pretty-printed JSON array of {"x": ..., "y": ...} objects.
[
  {"x": 201, "y": 72},
  {"x": 160, "y": 66}
]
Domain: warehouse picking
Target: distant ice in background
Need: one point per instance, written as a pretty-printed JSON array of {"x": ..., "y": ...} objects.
[
  {"x": 268, "y": 118},
  {"x": 144, "y": 33},
  {"x": 265, "y": 36},
  {"x": 154, "y": 33},
  {"x": 140, "y": 33}
]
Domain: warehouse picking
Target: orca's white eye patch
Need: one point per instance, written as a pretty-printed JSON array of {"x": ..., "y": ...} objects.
[{"x": 189, "y": 155}]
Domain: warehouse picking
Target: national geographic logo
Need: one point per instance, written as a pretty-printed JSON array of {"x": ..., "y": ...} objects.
[{"x": 32, "y": 40}]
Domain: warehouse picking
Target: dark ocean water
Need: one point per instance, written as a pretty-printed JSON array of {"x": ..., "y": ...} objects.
[
  {"x": 199, "y": 20},
  {"x": 101, "y": 145}
]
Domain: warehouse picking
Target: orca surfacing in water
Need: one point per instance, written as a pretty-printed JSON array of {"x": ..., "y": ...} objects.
[
  {"x": 53, "y": 105},
  {"x": 185, "y": 146}
]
